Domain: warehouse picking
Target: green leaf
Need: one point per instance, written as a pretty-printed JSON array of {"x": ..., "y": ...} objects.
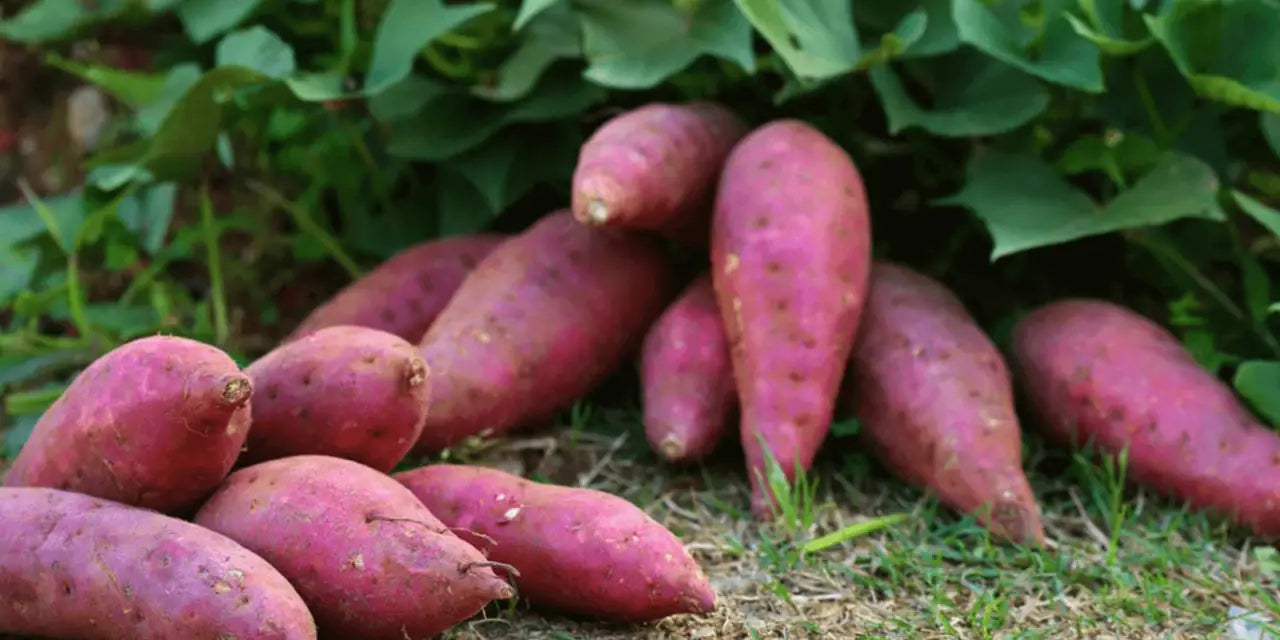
[
  {"x": 976, "y": 96},
  {"x": 893, "y": 43},
  {"x": 131, "y": 87},
  {"x": 1264, "y": 215},
  {"x": 148, "y": 212},
  {"x": 940, "y": 35},
  {"x": 638, "y": 44},
  {"x": 1110, "y": 45},
  {"x": 815, "y": 38},
  {"x": 1115, "y": 153},
  {"x": 552, "y": 36},
  {"x": 19, "y": 267},
  {"x": 406, "y": 28},
  {"x": 408, "y": 97},
  {"x": 1259, "y": 382},
  {"x": 1025, "y": 204},
  {"x": 47, "y": 20},
  {"x": 853, "y": 531},
  {"x": 176, "y": 83},
  {"x": 1271, "y": 131},
  {"x": 529, "y": 9},
  {"x": 1061, "y": 56},
  {"x": 1104, "y": 24},
  {"x": 461, "y": 207},
  {"x": 256, "y": 48},
  {"x": 500, "y": 170},
  {"x": 204, "y": 19},
  {"x": 21, "y": 222}
]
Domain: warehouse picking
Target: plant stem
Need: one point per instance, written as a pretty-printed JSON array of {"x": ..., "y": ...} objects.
[
  {"x": 307, "y": 225},
  {"x": 214, "y": 258}
]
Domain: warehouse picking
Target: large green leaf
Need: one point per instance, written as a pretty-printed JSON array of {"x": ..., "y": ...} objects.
[
  {"x": 1025, "y": 204},
  {"x": 406, "y": 28},
  {"x": 1053, "y": 50},
  {"x": 551, "y": 36},
  {"x": 131, "y": 87},
  {"x": 501, "y": 170},
  {"x": 20, "y": 222},
  {"x": 205, "y": 19},
  {"x": 1259, "y": 382},
  {"x": 257, "y": 48},
  {"x": 816, "y": 38},
  {"x": 46, "y": 20}
]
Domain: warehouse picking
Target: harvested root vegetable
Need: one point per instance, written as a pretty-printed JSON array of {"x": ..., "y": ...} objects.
[
  {"x": 791, "y": 252},
  {"x": 345, "y": 391},
  {"x": 1093, "y": 372},
  {"x": 157, "y": 423},
  {"x": 578, "y": 551},
  {"x": 936, "y": 403},
  {"x": 75, "y": 566},
  {"x": 366, "y": 556}
]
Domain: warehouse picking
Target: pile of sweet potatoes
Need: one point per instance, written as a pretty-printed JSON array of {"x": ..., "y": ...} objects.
[{"x": 169, "y": 492}]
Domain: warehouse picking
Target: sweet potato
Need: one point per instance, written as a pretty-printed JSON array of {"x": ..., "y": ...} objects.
[
  {"x": 345, "y": 391},
  {"x": 540, "y": 322},
  {"x": 1094, "y": 372},
  {"x": 578, "y": 551},
  {"x": 405, "y": 293},
  {"x": 936, "y": 403},
  {"x": 791, "y": 253},
  {"x": 655, "y": 168},
  {"x": 157, "y": 423},
  {"x": 367, "y": 557},
  {"x": 75, "y": 566},
  {"x": 686, "y": 376}
]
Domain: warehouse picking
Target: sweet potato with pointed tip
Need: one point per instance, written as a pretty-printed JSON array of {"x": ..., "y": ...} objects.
[
  {"x": 75, "y": 566},
  {"x": 1096, "y": 372},
  {"x": 405, "y": 293},
  {"x": 936, "y": 403},
  {"x": 366, "y": 556},
  {"x": 655, "y": 168},
  {"x": 541, "y": 321},
  {"x": 578, "y": 551},
  {"x": 156, "y": 422},
  {"x": 345, "y": 391},
  {"x": 686, "y": 376},
  {"x": 790, "y": 253}
]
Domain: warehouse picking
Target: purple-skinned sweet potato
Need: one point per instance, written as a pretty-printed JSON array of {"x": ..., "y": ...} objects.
[
  {"x": 936, "y": 403},
  {"x": 366, "y": 556},
  {"x": 156, "y": 422},
  {"x": 541, "y": 321},
  {"x": 655, "y": 168},
  {"x": 345, "y": 391},
  {"x": 790, "y": 254},
  {"x": 75, "y": 566},
  {"x": 578, "y": 551},
  {"x": 686, "y": 376},
  {"x": 405, "y": 293},
  {"x": 1096, "y": 373}
]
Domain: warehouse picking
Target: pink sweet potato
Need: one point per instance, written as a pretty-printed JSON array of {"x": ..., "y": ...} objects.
[
  {"x": 157, "y": 423},
  {"x": 404, "y": 294},
  {"x": 345, "y": 391},
  {"x": 655, "y": 168},
  {"x": 686, "y": 376},
  {"x": 540, "y": 322},
  {"x": 791, "y": 253},
  {"x": 1094, "y": 372},
  {"x": 578, "y": 551},
  {"x": 366, "y": 556},
  {"x": 936, "y": 402},
  {"x": 75, "y": 566}
]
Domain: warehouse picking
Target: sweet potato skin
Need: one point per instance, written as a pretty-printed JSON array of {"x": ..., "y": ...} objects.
[
  {"x": 1093, "y": 370},
  {"x": 403, "y": 295},
  {"x": 686, "y": 376},
  {"x": 538, "y": 324},
  {"x": 345, "y": 391},
  {"x": 365, "y": 555},
  {"x": 578, "y": 551},
  {"x": 655, "y": 168},
  {"x": 157, "y": 423},
  {"x": 936, "y": 402},
  {"x": 75, "y": 566},
  {"x": 791, "y": 253}
]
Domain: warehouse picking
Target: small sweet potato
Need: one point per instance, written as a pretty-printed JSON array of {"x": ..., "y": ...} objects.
[
  {"x": 541, "y": 321},
  {"x": 791, "y": 253},
  {"x": 936, "y": 403},
  {"x": 578, "y": 551},
  {"x": 75, "y": 566},
  {"x": 686, "y": 376},
  {"x": 345, "y": 391},
  {"x": 367, "y": 557},
  {"x": 157, "y": 423},
  {"x": 405, "y": 293},
  {"x": 655, "y": 168},
  {"x": 1094, "y": 372}
]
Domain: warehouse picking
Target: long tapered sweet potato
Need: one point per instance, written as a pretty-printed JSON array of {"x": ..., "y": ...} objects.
[
  {"x": 366, "y": 556},
  {"x": 686, "y": 376},
  {"x": 75, "y": 566},
  {"x": 404, "y": 294},
  {"x": 345, "y": 391},
  {"x": 936, "y": 402},
  {"x": 655, "y": 168},
  {"x": 157, "y": 422},
  {"x": 791, "y": 253},
  {"x": 1094, "y": 372},
  {"x": 578, "y": 551},
  {"x": 541, "y": 321}
]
